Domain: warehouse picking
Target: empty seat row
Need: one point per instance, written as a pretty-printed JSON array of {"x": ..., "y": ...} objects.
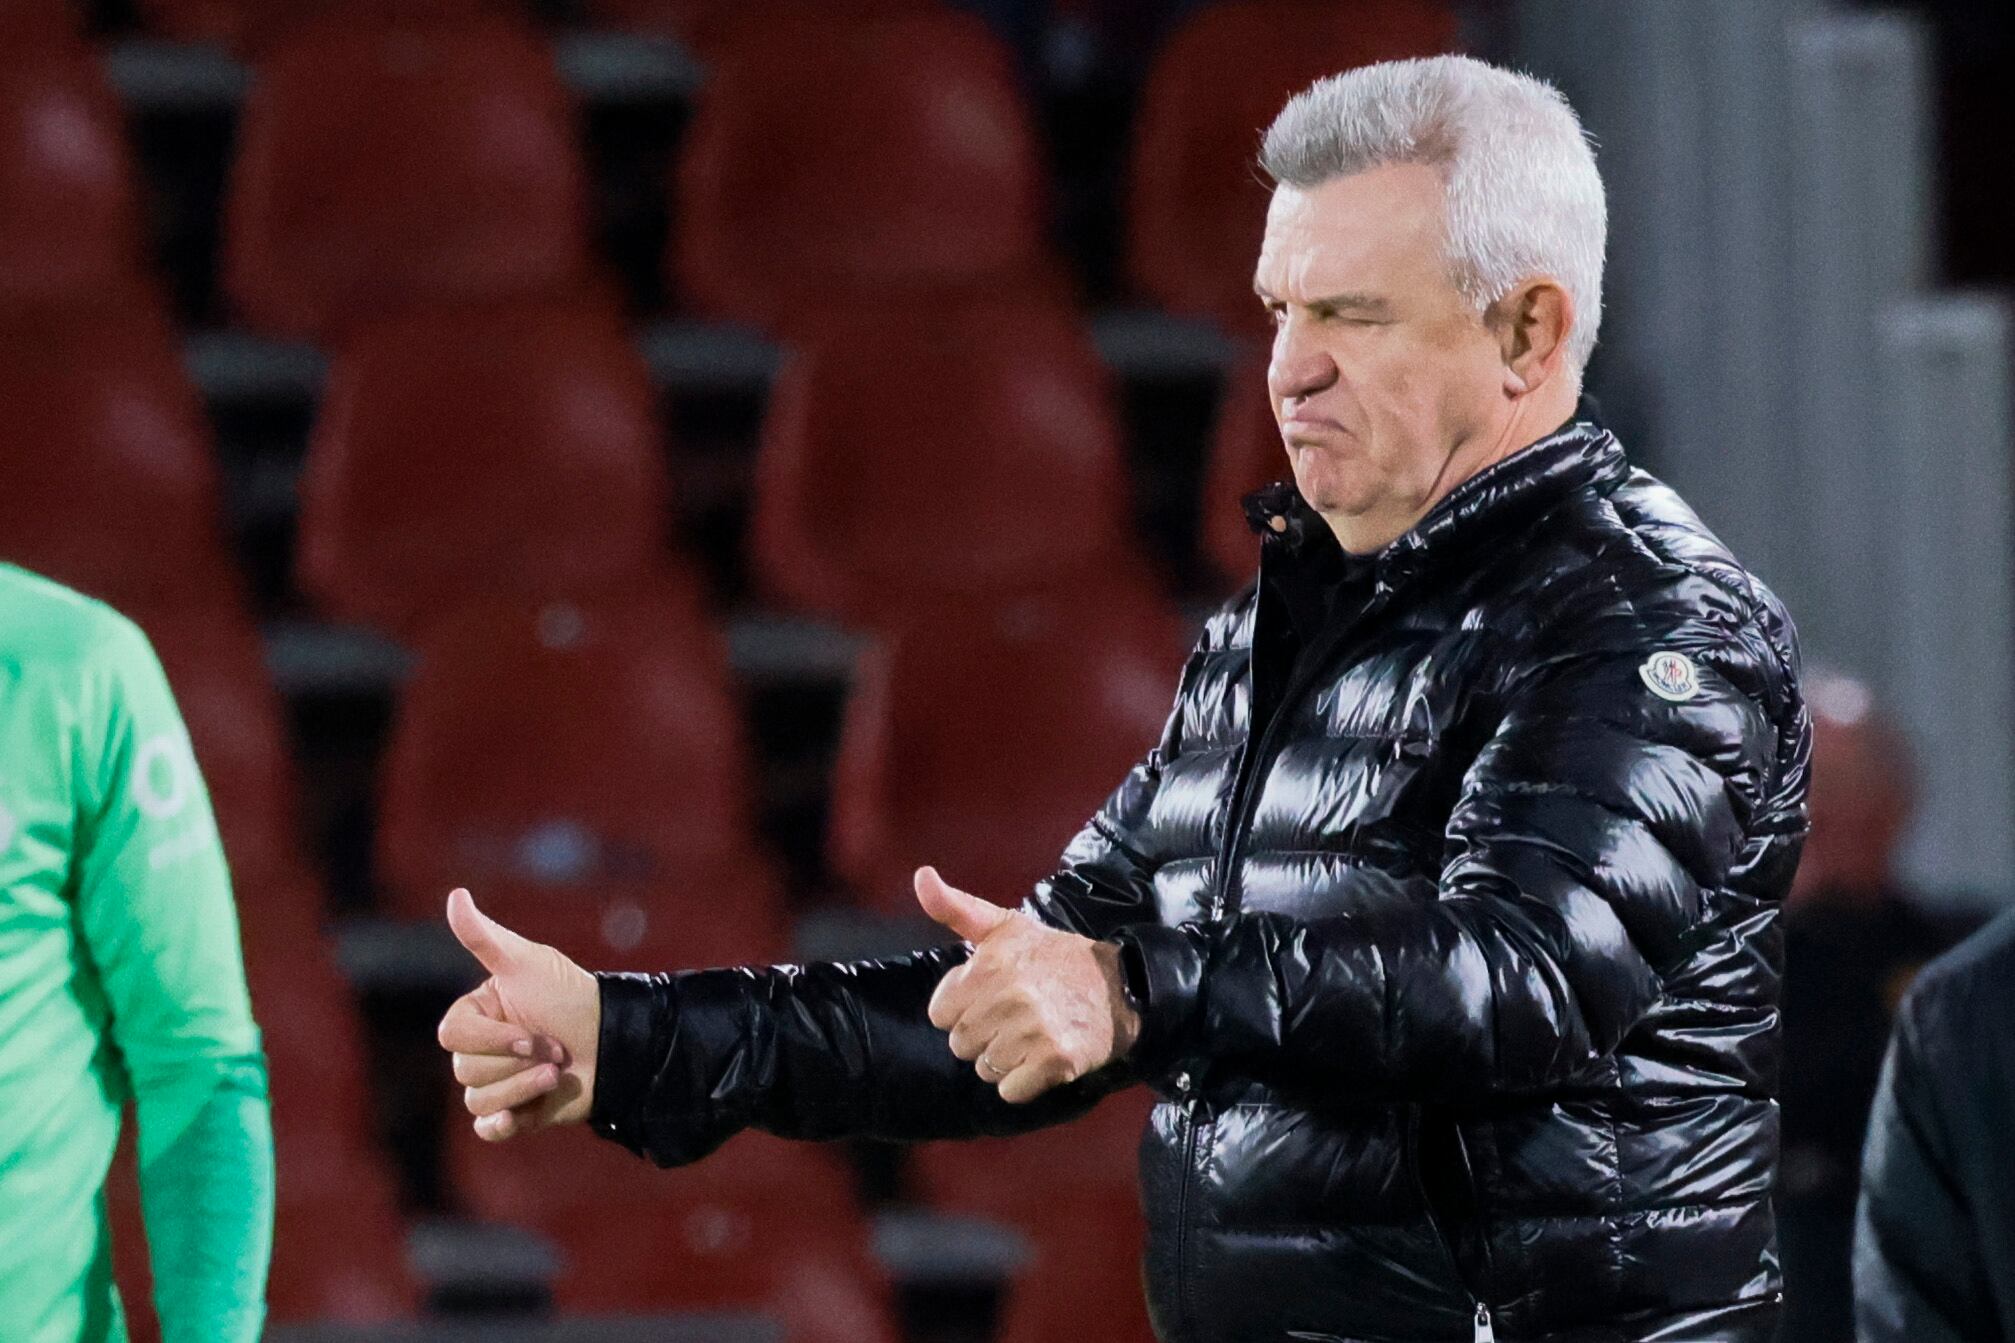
[
  {"x": 489, "y": 451},
  {"x": 760, "y": 1225},
  {"x": 584, "y": 765},
  {"x": 383, "y": 164}
]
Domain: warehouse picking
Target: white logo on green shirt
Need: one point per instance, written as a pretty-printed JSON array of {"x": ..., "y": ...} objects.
[{"x": 164, "y": 776}]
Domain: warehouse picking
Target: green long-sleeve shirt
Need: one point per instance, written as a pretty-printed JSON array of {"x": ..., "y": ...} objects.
[{"x": 120, "y": 978}]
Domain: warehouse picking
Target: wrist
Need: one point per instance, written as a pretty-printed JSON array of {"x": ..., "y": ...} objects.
[{"x": 1126, "y": 1005}]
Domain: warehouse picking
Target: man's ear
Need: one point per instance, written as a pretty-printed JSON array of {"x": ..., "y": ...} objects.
[{"x": 1531, "y": 324}]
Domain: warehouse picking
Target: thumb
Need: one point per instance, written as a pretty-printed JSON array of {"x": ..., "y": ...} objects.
[
  {"x": 967, "y": 915},
  {"x": 490, "y": 942}
]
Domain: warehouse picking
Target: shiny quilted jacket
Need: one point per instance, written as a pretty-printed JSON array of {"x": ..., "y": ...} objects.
[{"x": 1451, "y": 895}]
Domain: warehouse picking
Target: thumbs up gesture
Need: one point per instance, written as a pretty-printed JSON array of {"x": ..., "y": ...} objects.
[
  {"x": 524, "y": 1040},
  {"x": 1035, "y": 1007}
]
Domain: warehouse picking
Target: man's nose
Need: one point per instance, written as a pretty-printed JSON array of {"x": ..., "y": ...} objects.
[{"x": 1298, "y": 367}]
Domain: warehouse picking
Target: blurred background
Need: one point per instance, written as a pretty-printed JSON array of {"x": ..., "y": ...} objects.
[{"x": 675, "y": 465}]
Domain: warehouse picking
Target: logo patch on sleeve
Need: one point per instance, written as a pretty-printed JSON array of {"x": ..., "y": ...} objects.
[{"x": 1671, "y": 676}]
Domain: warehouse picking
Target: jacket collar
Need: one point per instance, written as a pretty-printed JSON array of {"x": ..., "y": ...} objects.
[{"x": 1581, "y": 455}]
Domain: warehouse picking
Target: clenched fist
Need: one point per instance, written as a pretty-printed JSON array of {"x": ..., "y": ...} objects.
[
  {"x": 1034, "y": 1007},
  {"x": 525, "y": 1039}
]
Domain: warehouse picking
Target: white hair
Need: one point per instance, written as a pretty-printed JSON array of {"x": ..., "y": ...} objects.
[{"x": 1524, "y": 198}]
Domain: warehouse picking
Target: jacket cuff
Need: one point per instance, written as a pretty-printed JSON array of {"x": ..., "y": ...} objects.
[
  {"x": 627, "y": 1052},
  {"x": 1164, "y": 973}
]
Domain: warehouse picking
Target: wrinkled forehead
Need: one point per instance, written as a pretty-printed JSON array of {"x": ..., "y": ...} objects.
[{"x": 1383, "y": 225}]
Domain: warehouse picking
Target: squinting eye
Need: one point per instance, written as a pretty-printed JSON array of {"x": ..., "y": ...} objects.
[{"x": 1277, "y": 311}]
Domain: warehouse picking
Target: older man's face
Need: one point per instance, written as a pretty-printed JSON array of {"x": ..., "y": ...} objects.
[{"x": 1380, "y": 369}]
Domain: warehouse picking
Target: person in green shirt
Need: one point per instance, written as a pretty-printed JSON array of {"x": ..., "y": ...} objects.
[{"x": 120, "y": 978}]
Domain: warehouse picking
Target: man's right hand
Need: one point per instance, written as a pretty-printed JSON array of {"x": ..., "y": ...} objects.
[{"x": 524, "y": 1040}]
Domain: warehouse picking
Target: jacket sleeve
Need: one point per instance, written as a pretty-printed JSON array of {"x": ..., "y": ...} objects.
[
  {"x": 847, "y": 1050},
  {"x": 1918, "y": 1273},
  {"x": 832, "y": 1050},
  {"x": 1582, "y": 858}
]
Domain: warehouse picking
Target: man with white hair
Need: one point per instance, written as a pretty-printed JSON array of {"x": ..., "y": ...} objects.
[{"x": 1443, "y": 917}]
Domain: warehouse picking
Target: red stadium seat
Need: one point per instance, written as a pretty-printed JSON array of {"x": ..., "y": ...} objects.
[
  {"x": 338, "y": 1237},
  {"x": 913, "y": 170},
  {"x": 762, "y": 1224},
  {"x": 253, "y": 24},
  {"x": 26, "y": 21},
  {"x": 314, "y": 1042},
  {"x": 385, "y": 166},
  {"x": 570, "y": 754},
  {"x": 216, "y": 667},
  {"x": 69, "y": 223},
  {"x": 703, "y": 22},
  {"x": 907, "y": 456},
  {"x": 339, "y": 1241},
  {"x": 1072, "y": 1191},
  {"x": 1198, "y": 203},
  {"x": 110, "y": 487},
  {"x": 1245, "y": 454},
  {"x": 473, "y": 452},
  {"x": 980, "y": 740}
]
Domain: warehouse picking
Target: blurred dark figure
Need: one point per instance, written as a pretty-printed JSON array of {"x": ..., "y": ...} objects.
[
  {"x": 1853, "y": 942},
  {"x": 1934, "y": 1251}
]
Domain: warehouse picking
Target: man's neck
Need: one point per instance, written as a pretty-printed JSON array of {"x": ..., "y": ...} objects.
[{"x": 1366, "y": 533}]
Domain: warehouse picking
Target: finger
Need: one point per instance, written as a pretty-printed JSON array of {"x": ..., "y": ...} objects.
[
  {"x": 480, "y": 1070},
  {"x": 499, "y": 1127},
  {"x": 969, "y": 1038},
  {"x": 1031, "y": 1080},
  {"x": 519, "y": 1089},
  {"x": 468, "y": 1029},
  {"x": 967, "y": 915},
  {"x": 985, "y": 1024},
  {"x": 951, "y": 998},
  {"x": 490, "y": 942}
]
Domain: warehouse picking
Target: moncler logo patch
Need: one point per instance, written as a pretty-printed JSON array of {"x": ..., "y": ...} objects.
[{"x": 1671, "y": 676}]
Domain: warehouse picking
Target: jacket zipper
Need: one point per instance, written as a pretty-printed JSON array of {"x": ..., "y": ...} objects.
[
  {"x": 1191, "y": 1105},
  {"x": 1244, "y": 794},
  {"x": 1483, "y": 1328},
  {"x": 1243, "y": 800}
]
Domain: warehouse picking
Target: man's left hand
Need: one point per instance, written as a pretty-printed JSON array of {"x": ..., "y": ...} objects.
[{"x": 1034, "y": 1007}]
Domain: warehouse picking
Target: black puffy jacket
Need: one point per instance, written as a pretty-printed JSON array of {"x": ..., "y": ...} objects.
[{"x": 1452, "y": 890}]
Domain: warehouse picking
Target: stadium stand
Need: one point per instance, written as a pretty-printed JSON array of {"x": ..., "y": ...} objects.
[
  {"x": 763, "y": 1223},
  {"x": 908, "y": 455},
  {"x": 979, "y": 738},
  {"x": 560, "y": 754},
  {"x": 702, "y": 22},
  {"x": 69, "y": 221},
  {"x": 251, "y": 25},
  {"x": 914, "y": 172},
  {"x": 23, "y": 21},
  {"x": 469, "y": 452},
  {"x": 382, "y": 166},
  {"x": 112, "y": 483}
]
